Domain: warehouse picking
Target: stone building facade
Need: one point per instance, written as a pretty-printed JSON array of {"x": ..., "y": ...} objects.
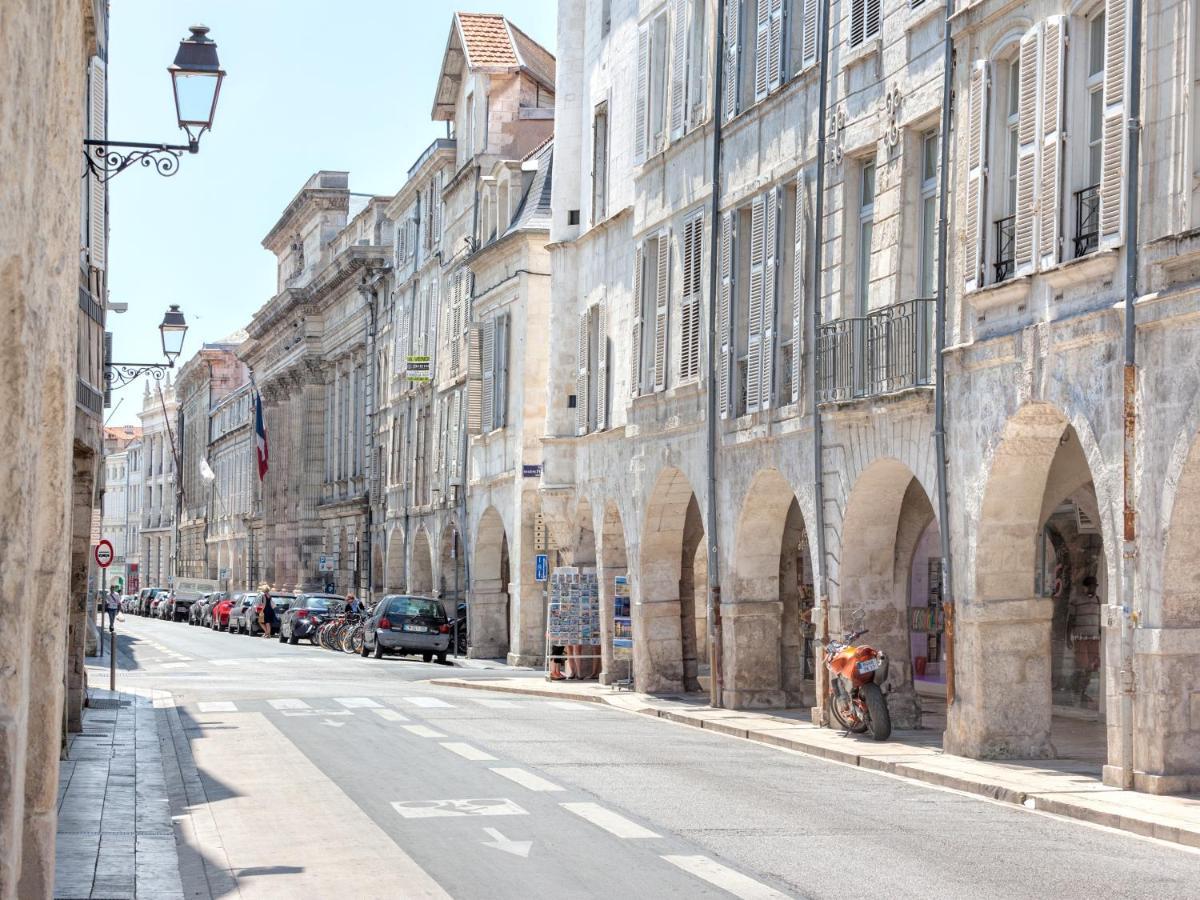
[
  {"x": 117, "y": 511},
  {"x": 235, "y": 488},
  {"x": 160, "y": 435}
]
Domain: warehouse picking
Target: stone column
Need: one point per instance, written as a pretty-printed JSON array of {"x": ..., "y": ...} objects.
[
  {"x": 752, "y": 638},
  {"x": 82, "y": 606},
  {"x": 487, "y": 621}
]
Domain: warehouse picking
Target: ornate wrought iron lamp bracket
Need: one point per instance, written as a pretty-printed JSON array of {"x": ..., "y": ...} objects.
[
  {"x": 117, "y": 375},
  {"x": 105, "y": 161}
]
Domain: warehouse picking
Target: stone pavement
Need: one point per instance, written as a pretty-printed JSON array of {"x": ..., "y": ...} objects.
[
  {"x": 115, "y": 835},
  {"x": 1062, "y": 787}
]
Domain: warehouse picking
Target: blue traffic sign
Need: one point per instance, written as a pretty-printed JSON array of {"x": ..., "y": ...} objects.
[{"x": 543, "y": 567}]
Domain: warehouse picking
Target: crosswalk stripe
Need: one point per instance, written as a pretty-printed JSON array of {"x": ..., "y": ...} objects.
[
  {"x": 423, "y": 731},
  {"x": 428, "y": 702},
  {"x": 466, "y": 751},
  {"x": 528, "y": 780},
  {"x": 225, "y": 662},
  {"x": 610, "y": 821},
  {"x": 215, "y": 706},
  {"x": 272, "y": 659},
  {"x": 569, "y": 704},
  {"x": 726, "y": 879},
  {"x": 390, "y": 715},
  {"x": 357, "y": 702},
  {"x": 289, "y": 704},
  {"x": 497, "y": 704},
  {"x": 174, "y": 665}
]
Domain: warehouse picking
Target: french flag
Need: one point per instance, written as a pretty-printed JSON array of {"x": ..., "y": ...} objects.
[{"x": 260, "y": 436}]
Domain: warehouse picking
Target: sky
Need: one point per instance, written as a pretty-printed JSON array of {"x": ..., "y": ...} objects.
[{"x": 310, "y": 84}]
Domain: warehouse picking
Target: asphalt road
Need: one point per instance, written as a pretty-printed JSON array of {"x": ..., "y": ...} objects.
[{"x": 326, "y": 774}]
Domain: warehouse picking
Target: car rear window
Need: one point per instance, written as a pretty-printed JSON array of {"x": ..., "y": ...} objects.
[
  {"x": 324, "y": 604},
  {"x": 416, "y": 606}
]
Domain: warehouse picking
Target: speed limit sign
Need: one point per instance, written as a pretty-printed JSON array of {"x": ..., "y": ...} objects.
[{"x": 104, "y": 554}]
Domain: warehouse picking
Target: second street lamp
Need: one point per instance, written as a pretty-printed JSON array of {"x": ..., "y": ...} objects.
[{"x": 173, "y": 330}]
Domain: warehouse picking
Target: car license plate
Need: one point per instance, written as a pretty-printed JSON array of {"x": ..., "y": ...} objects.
[
  {"x": 414, "y": 628},
  {"x": 867, "y": 665}
]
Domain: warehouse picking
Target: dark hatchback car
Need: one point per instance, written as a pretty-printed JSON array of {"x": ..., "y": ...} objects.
[
  {"x": 305, "y": 615},
  {"x": 280, "y": 602},
  {"x": 404, "y": 624}
]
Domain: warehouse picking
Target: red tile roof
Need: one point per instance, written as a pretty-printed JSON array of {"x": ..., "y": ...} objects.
[{"x": 486, "y": 39}]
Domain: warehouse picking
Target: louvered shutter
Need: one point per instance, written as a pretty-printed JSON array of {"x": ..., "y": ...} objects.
[
  {"x": 476, "y": 382},
  {"x": 439, "y": 442},
  {"x": 641, "y": 112},
  {"x": 679, "y": 61},
  {"x": 1050, "y": 202},
  {"x": 435, "y": 210},
  {"x": 857, "y": 13},
  {"x": 97, "y": 131},
  {"x": 689, "y": 319},
  {"x": 762, "y": 40},
  {"x": 799, "y": 261},
  {"x": 662, "y": 310},
  {"x": 733, "y": 17},
  {"x": 635, "y": 346},
  {"x": 581, "y": 373},
  {"x": 774, "y": 202},
  {"x": 775, "y": 73},
  {"x": 600, "y": 165},
  {"x": 808, "y": 42},
  {"x": 1025, "y": 225},
  {"x": 601, "y": 385},
  {"x": 977, "y": 108},
  {"x": 1112, "y": 169},
  {"x": 500, "y": 378},
  {"x": 754, "y": 335},
  {"x": 724, "y": 317},
  {"x": 456, "y": 441},
  {"x": 487, "y": 365},
  {"x": 874, "y": 8}
]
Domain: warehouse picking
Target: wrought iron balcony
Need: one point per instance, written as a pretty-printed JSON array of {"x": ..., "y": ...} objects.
[
  {"x": 1005, "y": 247},
  {"x": 1087, "y": 220},
  {"x": 885, "y": 351}
]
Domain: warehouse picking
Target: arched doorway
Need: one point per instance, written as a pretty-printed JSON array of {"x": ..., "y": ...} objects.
[
  {"x": 420, "y": 570},
  {"x": 769, "y": 653},
  {"x": 393, "y": 582},
  {"x": 615, "y": 599},
  {"x": 665, "y": 614},
  {"x": 453, "y": 570},
  {"x": 888, "y": 514},
  {"x": 489, "y": 610}
]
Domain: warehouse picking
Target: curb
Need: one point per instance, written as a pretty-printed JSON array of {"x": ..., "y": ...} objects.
[{"x": 1034, "y": 800}]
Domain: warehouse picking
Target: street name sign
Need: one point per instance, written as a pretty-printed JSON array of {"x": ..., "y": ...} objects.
[{"x": 543, "y": 567}]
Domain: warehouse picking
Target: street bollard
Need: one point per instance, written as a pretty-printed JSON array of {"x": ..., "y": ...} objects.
[{"x": 112, "y": 657}]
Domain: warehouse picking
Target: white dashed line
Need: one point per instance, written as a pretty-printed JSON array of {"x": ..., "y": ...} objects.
[
  {"x": 357, "y": 702},
  {"x": 174, "y": 665},
  {"x": 466, "y": 751},
  {"x": 498, "y": 704},
  {"x": 224, "y": 662},
  {"x": 289, "y": 704},
  {"x": 216, "y": 706},
  {"x": 609, "y": 820},
  {"x": 428, "y": 702},
  {"x": 528, "y": 780},
  {"x": 423, "y": 731},
  {"x": 390, "y": 715},
  {"x": 569, "y": 704},
  {"x": 726, "y": 879}
]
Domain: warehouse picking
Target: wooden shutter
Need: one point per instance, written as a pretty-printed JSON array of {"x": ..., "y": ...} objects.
[
  {"x": 733, "y": 17},
  {"x": 662, "y": 310},
  {"x": 689, "y": 317},
  {"x": 582, "y": 358},
  {"x": 808, "y": 41},
  {"x": 770, "y": 310},
  {"x": 1050, "y": 202},
  {"x": 1025, "y": 226},
  {"x": 475, "y": 378},
  {"x": 487, "y": 365},
  {"x": 977, "y": 109},
  {"x": 775, "y": 73},
  {"x": 799, "y": 261},
  {"x": 679, "y": 58},
  {"x": 641, "y": 113},
  {"x": 97, "y": 131},
  {"x": 600, "y": 164},
  {"x": 1112, "y": 168},
  {"x": 601, "y": 385},
  {"x": 857, "y": 13},
  {"x": 724, "y": 317},
  {"x": 762, "y": 40},
  {"x": 435, "y": 210},
  {"x": 500, "y": 378},
  {"x": 635, "y": 347},
  {"x": 754, "y": 336},
  {"x": 456, "y": 441}
]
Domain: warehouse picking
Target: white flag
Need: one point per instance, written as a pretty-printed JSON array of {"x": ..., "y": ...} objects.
[{"x": 206, "y": 471}]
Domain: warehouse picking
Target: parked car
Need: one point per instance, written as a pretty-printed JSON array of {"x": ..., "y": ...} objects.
[
  {"x": 404, "y": 624},
  {"x": 156, "y": 603},
  {"x": 219, "y": 615},
  {"x": 182, "y": 601},
  {"x": 237, "y": 612},
  {"x": 281, "y": 602},
  {"x": 305, "y": 615},
  {"x": 127, "y": 601},
  {"x": 196, "y": 613},
  {"x": 145, "y": 598}
]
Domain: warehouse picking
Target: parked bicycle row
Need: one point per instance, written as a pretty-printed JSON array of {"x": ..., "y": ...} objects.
[{"x": 398, "y": 624}]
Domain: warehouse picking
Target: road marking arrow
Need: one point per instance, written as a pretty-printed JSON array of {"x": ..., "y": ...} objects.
[
  {"x": 500, "y": 842},
  {"x": 333, "y": 724}
]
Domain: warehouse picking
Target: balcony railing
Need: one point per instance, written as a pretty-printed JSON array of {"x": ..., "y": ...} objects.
[
  {"x": 887, "y": 350},
  {"x": 1005, "y": 247},
  {"x": 1087, "y": 220}
]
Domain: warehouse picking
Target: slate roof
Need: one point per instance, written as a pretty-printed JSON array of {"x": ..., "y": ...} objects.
[{"x": 534, "y": 212}]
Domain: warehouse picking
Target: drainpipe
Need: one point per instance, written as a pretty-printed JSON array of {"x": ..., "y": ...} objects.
[
  {"x": 939, "y": 362},
  {"x": 714, "y": 575},
  {"x": 1129, "y": 616},
  {"x": 818, "y": 436}
]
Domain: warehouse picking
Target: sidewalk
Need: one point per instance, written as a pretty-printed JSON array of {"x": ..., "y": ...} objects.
[{"x": 1063, "y": 787}]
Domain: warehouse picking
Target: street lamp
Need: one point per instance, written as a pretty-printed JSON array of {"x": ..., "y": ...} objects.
[
  {"x": 173, "y": 329},
  {"x": 196, "y": 77}
]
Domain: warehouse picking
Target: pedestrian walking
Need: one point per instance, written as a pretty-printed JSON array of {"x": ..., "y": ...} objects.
[
  {"x": 112, "y": 605},
  {"x": 267, "y": 619}
]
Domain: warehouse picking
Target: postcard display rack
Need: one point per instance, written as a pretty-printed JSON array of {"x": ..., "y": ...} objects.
[{"x": 573, "y": 613}]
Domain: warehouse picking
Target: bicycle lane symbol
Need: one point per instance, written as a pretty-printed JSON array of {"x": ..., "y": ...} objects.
[{"x": 433, "y": 809}]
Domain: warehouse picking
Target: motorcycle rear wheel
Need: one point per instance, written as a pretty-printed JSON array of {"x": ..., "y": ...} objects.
[
  {"x": 844, "y": 720},
  {"x": 879, "y": 720}
]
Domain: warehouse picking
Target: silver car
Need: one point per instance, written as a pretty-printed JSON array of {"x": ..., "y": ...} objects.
[{"x": 404, "y": 624}]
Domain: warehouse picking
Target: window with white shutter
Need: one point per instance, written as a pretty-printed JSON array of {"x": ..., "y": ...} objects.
[
  {"x": 768, "y": 47},
  {"x": 662, "y": 310},
  {"x": 650, "y": 103},
  {"x": 799, "y": 284},
  {"x": 582, "y": 372},
  {"x": 475, "y": 378},
  {"x": 601, "y": 378},
  {"x": 770, "y": 306},
  {"x": 803, "y": 28},
  {"x": 725, "y": 318},
  {"x": 697, "y": 93},
  {"x": 1025, "y": 225},
  {"x": 500, "y": 371},
  {"x": 752, "y": 368},
  {"x": 1050, "y": 201},
  {"x": 600, "y": 163},
  {"x": 976, "y": 137},
  {"x": 691, "y": 258},
  {"x": 97, "y": 194},
  {"x": 641, "y": 96},
  {"x": 635, "y": 336},
  {"x": 679, "y": 64},
  {"x": 1116, "y": 55},
  {"x": 487, "y": 368},
  {"x": 732, "y": 63},
  {"x": 864, "y": 20}
]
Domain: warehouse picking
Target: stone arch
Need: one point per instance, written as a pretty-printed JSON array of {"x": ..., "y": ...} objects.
[
  {"x": 420, "y": 568},
  {"x": 489, "y": 610},
  {"x": 393, "y": 582},
  {"x": 613, "y": 563},
  {"x": 666, "y": 652},
  {"x": 583, "y": 544},
  {"x": 771, "y": 590}
]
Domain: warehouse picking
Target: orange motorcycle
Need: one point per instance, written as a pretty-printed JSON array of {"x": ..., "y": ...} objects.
[{"x": 855, "y": 700}]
